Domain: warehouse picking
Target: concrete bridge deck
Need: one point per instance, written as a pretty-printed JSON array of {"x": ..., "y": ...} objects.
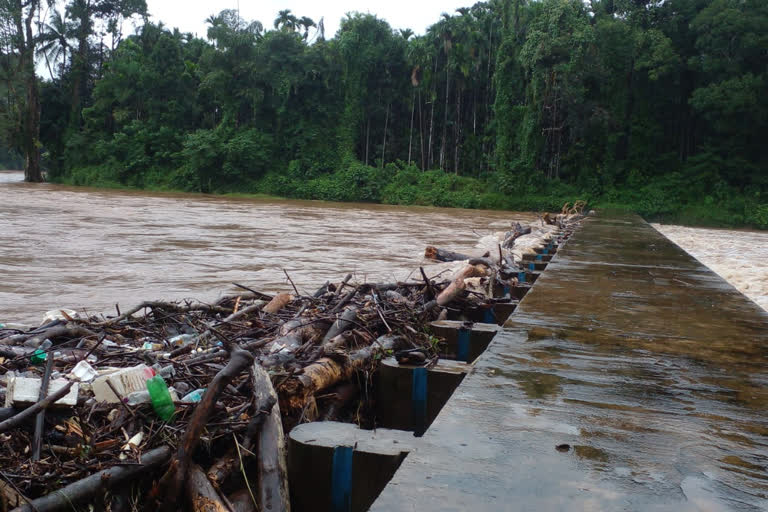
[{"x": 631, "y": 378}]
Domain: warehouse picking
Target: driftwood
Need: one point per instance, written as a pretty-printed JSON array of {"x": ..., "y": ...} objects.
[
  {"x": 345, "y": 322},
  {"x": 433, "y": 253},
  {"x": 202, "y": 496},
  {"x": 273, "y": 492},
  {"x": 319, "y": 350},
  {"x": 514, "y": 234},
  {"x": 264, "y": 401},
  {"x": 278, "y": 303},
  {"x": 170, "y": 485},
  {"x": 241, "y": 501},
  {"x": 59, "y": 331},
  {"x": 457, "y": 285},
  {"x": 327, "y": 372},
  {"x": 91, "y": 486}
]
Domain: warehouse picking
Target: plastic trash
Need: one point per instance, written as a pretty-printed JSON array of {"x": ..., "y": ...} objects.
[
  {"x": 25, "y": 391},
  {"x": 165, "y": 372},
  {"x": 138, "y": 398},
  {"x": 182, "y": 340},
  {"x": 58, "y": 314},
  {"x": 162, "y": 402},
  {"x": 194, "y": 397},
  {"x": 132, "y": 444},
  {"x": 40, "y": 355},
  {"x": 142, "y": 397},
  {"x": 84, "y": 372},
  {"x": 125, "y": 382},
  {"x": 155, "y": 347}
]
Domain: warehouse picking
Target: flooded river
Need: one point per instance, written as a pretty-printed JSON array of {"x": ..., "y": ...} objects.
[{"x": 83, "y": 248}]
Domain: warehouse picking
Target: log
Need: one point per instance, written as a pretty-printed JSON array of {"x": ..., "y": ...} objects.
[
  {"x": 327, "y": 372},
  {"x": 272, "y": 493},
  {"x": 344, "y": 323},
  {"x": 172, "y": 482},
  {"x": 457, "y": 285},
  {"x": 517, "y": 232},
  {"x": 433, "y": 253},
  {"x": 60, "y": 331},
  {"x": 242, "y": 501},
  {"x": 278, "y": 303},
  {"x": 97, "y": 483},
  {"x": 202, "y": 496},
  {"x": 264, "y": 402}
]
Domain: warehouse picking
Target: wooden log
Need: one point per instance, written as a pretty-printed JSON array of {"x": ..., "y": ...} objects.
[
  {"x": 168, "y": 489},
  {"x": 433, "y": 253},
  {"x": 242, "y": 501},
  {"x": 92, "y": 486},
  {"x": 327, "y": 372},
  {"x": 511, "y": 236},
  {"x": 457, "y": 285},
  {"x": 264, "y": 402},
  {"x": 202, "y": 496},
  {"x": 273, "y": 493},
  {"x": 60, "y": 331},
  {"x": 280, "y": 301},
  {"x": 347, "y": 321}
]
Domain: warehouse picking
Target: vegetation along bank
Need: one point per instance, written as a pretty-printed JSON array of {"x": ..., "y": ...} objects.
[{"x": 657, "y": 107}]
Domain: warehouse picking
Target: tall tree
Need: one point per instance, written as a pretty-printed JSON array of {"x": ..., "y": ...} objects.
[{"x": 19, "y": 16}]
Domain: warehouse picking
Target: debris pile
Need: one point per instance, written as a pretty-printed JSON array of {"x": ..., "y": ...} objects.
[{"x": 187, "y": 402}]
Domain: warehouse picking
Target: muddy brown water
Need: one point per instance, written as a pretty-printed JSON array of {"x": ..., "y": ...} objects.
[{"x": 85, "y": 248}]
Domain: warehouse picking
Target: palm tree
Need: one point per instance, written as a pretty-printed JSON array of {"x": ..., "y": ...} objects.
[
  {"x": 406, "y": 33},
  {"x": 54, "y": 41},
  {"x": 307, "y": 23},
  {"x": 286, "y": 21}
]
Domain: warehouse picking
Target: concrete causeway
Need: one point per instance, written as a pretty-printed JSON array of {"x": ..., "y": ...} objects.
[{"x": 630, "y": 378}]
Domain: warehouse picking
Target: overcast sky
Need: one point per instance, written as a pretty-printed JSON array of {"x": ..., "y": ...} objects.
[{"x": 190, "y": 15}]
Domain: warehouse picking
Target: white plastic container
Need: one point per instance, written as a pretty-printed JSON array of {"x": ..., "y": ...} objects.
[
  {"x": 125, "y": 382},
  {"x": 23, "y": 391}
]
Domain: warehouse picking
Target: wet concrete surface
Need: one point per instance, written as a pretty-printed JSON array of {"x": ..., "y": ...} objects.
[{"x": 630, "y": 378}]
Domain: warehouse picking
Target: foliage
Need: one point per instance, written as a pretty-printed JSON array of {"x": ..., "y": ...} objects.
[{"x": 658, "y": 107}]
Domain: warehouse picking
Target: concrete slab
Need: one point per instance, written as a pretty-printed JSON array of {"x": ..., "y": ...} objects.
[{"x": 630, "y": 378}]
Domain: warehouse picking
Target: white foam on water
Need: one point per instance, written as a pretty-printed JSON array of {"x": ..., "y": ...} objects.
[{"x": 738, "y": 256}]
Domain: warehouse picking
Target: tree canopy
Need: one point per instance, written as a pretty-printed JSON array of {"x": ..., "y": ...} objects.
[{"x": 656, "y": 106}]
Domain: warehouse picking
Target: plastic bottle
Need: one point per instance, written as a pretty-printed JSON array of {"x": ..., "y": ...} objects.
[
  {"x": 40, "y": 355},
  {"x": 194, "y": 397},
  {"x": 161, "y": 398}
]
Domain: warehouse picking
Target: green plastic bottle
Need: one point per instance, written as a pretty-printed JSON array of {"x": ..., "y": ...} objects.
[{"x": 161, "y": 398}]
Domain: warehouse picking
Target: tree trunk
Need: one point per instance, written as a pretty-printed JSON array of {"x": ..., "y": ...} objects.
[
  {"x": 367, "y": 139},
  {"x": 410, "y": 135},
  {"x": 443, "y": 145},
  {"x": 384, "y": 145},
  {"x": 32, "y": 170},
  {"x": 421, "y": 135}
]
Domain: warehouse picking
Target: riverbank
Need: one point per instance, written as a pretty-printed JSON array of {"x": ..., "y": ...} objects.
[{"x": 671, "y": 200}]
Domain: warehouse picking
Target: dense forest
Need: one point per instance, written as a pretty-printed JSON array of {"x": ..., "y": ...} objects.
[{"x": 657, "y": 106}]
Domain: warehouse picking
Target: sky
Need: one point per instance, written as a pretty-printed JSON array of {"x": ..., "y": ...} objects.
[{"x": 190, "y": 15}]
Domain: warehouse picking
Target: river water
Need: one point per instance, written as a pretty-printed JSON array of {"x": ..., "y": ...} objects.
[
  {"x": 65, "y": 247},
  {"x": 85, "y": 248},
  {"x": 741, "y": 257}
]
